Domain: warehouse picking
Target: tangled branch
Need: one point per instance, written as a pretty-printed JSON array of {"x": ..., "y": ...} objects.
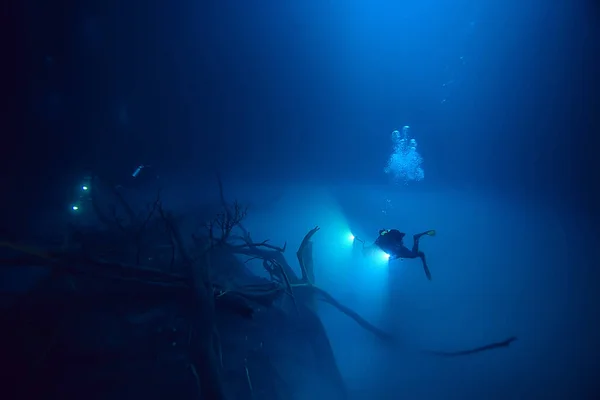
[
  {"x": 281, "y": 273},
  {"x": 224, "y": 223}
]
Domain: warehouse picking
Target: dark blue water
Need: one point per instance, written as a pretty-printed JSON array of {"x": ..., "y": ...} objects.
[{"x": 294, "y": 104}]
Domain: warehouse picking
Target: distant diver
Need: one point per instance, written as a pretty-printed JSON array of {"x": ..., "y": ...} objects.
[{"x": 391, "y": 241}]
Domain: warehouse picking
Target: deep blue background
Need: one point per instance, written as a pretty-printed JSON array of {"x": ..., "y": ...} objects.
[
  {"x": 302, "y": 89},
  {"x": 308, "y": 92}
]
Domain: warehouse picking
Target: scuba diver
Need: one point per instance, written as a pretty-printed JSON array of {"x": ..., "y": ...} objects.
[{"x": 391, "y": 241}]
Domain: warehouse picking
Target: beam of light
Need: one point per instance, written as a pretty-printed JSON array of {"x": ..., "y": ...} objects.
[
  {"x": 346, "y": 238},
  {"x": 380, "y": 258}
]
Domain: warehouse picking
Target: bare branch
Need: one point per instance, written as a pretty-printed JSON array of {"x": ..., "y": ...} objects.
[
  {"x": 326, "y": 297},
  {"x": 308, "y": 274},
  {"x": 142, "y": 228},
  {"x": 267, "y": 254},
  {"x": 287, "y": 283},
  {"x": 264, "y": 244},
  {"x": 170, "y": 233},
  {"x": 225, "y": 223}
]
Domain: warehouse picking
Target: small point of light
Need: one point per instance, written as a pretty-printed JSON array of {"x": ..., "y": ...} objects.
[
  {"x": 385, "y": 256},
  {"x": 75, "y": 208},
  {"x": 351, "y": 237},
  {"x": 84, "y": 187}
]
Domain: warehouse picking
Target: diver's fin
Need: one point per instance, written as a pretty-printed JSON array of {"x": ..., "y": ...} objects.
[{"x": 427, "y": 271}]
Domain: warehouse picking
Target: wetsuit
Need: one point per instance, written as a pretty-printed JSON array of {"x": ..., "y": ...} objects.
[{"x": 392, "y": 242}]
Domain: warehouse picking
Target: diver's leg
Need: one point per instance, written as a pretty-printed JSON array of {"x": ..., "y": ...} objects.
[
  {"x": 415, "y": 248},
  {"x": 425, "y": 267},
  {"x": 416, "y": 238},
  {"x": 404, "y": 252}
]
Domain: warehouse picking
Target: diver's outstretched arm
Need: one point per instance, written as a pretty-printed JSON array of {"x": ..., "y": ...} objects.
[
  {"x": 367, "y": 250},
  {"x": 361, "y": 241}
]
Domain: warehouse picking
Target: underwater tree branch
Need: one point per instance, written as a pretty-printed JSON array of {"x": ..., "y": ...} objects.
[
  {"x": 487, "y": 347},
  {"x": 126, "y": 207},
  {"x": 140, "y": 231},
  {"x": 276, "y": 265},
  {"x": 204, "y": 356},
  {"x": 304, "y": 253},
  {"x": 326, "y": 297},
  {"x": 169, "y": 229},
  {"x": 248, "y": 243},
  {"x": 286, "y": 279},
  {"x": 225, "y": 222},
  {"x": 269, "y": 255},
  {"x": 278, "y": 268}
]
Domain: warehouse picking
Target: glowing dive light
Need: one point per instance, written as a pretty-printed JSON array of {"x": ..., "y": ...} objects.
[
  {"x": 84, "y": 188},
  {"x": 137, "y": 171},
  {"x": 75, "y": 208}
]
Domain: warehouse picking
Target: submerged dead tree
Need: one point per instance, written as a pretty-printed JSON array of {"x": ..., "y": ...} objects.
[
  {"x": 277, "y": 266},
  {"x": 140, "y": 236},
  {"x": 304, "y": 287},
  {"x": 148, "y": 248}
]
